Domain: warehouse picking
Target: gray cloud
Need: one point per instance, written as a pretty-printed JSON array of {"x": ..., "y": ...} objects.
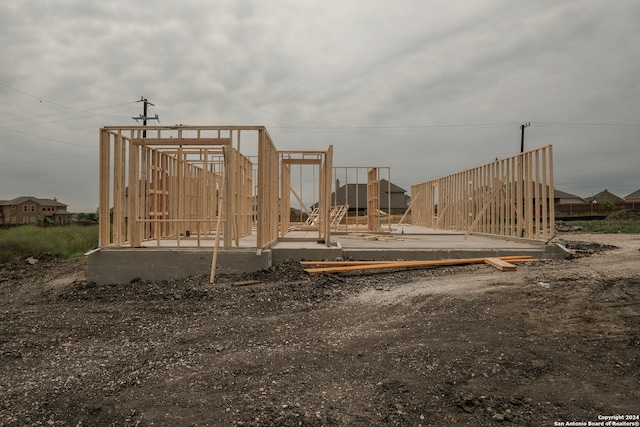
[{"x": 427, "y": 88}]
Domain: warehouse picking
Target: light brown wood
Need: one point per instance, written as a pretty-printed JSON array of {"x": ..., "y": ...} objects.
[
  {"x": 181, "y": 141},
  {"x": 414, "y": 201},
  {"x": 466, "y": 201},
  {"x": 373, "y": 199},
  {"x": 406, "y": 264},
  {"x": 302, "y": 161},
  {"x": 159, "y": 192},
  {"x": 327, "y": 176},
  {"x": 105, "y": 180},
  {"x": 500, "y": 264},
  {"x": 216, "y": 246},
  {"x": 545, "y": 197},
  {"x": 118, "y": 191},
  {"x": 509, "y": 258},
  {"x": 302, "y": 205},
  {"x": 486, "y": 206},
  {"x": 551, "y": 207}
]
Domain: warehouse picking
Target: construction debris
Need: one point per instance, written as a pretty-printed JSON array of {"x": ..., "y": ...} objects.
[
  {"x": 378, "y": 237},
  {"x": 247, "y": 283},
  {"x": 505, "y": 263},
  {"x": 500, "y": 264}
]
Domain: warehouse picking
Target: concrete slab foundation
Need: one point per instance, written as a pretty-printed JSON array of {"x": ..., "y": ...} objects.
[{"x": 122, "y": 265}]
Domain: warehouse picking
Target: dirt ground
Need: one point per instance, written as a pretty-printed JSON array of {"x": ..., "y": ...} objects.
[{"x": 553, "y": 342}]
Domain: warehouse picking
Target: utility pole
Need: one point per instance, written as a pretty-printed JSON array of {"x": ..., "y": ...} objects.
[
  {"x": 522, "y": 137},
  {"x": 144, "y": 116}
]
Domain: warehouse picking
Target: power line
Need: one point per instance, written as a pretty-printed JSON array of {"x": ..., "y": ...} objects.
[
  {"x": 590, "y": 125},
  {"x": 27, "y": 121},
  {"x": 45, "y": 138},
  {"x": 397, "y": 127},
  {"x": 80, "y": 110},
  {"x": 47, "y": 160}
]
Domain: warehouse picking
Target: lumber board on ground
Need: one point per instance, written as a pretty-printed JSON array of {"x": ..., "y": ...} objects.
[
  {"x": 390, "y": 265},
  {"x": 510, "y": 258},
  {"x": 500, "y": 264}
]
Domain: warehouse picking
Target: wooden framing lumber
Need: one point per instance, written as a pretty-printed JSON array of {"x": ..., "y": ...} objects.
[
  {"x": 302, "y": 161},
  {"x": 509, "y": 258},
  {"x": 302, "y": 205},
  {"x": 373, "y": 199},
  {"x": 181, "y": 141},
  {"x": 487, "y": 205},
  {"x": 512, "y": 197},
  {"x": 331, "y": 267},
  {"x": 413, "y": 201},
  {"x": 320, "y": 216},
  {"x": 216, "y": 247},
  {"x": 153, "y": 189},
  {"x": 500, "y": 264}
]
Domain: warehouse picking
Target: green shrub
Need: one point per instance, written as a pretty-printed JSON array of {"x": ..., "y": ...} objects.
[{"x": 33, "y": 241}]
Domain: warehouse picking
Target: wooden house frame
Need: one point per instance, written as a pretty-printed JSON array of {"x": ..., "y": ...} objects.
[
  {"x": 176, "y": 186},
  {"x": 512, "y": 197},
  {"x": 321, "y": 161}
]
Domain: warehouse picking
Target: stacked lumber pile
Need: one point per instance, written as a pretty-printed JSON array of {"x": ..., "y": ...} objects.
[{"x": 505, "y": 263}]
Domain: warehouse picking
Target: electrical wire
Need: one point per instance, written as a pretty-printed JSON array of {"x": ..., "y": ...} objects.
[
  {"x": 26, "y": 122},
  {"x": 589, "y": 125},
  {"x": 399, "y": 127},
  {"x": 45, "y": 138},
  {"x": 63, "y": 105},
  {"x": 460, "y": 126},
  {"x": 47, "y": 160}
]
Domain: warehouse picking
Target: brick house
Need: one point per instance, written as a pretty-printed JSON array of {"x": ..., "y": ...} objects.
[{"x": 32, "y": 210}]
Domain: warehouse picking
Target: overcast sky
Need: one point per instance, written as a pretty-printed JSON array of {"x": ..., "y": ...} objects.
[{"x": 425, "y": 87}]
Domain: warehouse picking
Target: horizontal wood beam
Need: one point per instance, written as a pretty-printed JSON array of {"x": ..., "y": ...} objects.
[
  {"x": 181, "y": 141},
  {"x": 183, "y": 127},
  {"x": 302, "y": 161},
  {"x": 303, "y": 152}
]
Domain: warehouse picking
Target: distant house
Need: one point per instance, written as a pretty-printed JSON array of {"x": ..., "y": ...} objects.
[
  {"x": 355, "y": 195},
  {"x": 561, "y": 197},
  {"x": 633, "y": 197},
  {"x": 32, "y": 210},
  {"x": 605, "y": 196}
]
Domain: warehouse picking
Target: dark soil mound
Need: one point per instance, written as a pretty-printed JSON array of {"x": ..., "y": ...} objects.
[{"x": 625, "y": 215}]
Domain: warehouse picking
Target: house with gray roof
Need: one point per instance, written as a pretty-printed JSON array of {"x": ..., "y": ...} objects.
[{"x": 392, "y": 197}]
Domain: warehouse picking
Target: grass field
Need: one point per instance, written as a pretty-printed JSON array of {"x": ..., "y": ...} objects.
[
  {"x": 71, "y": 241},
  {"x": 33, "y": 241}
]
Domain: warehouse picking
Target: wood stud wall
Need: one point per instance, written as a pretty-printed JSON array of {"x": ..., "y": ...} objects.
[
  {"x": 170, "y": 186},
  {"x": 268, "y": 190},
  {"x": 167, "y": 187},
  {"x": 321, "y": 159},
  {"x": 512, "y": 197}
]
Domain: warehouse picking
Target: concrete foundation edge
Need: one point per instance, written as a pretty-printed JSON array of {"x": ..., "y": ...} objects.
[{"x": 125, "y": 265}]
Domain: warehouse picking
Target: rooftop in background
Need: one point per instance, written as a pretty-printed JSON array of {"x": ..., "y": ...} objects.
[{"x": 604, "y": 196}]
